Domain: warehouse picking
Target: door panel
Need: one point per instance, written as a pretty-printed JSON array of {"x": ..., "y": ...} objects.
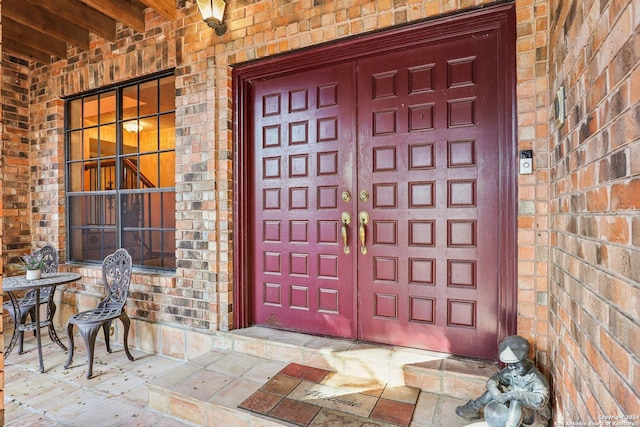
[
  {"x": 428, "y": 153},
  {"x": 303, "y": 134}
]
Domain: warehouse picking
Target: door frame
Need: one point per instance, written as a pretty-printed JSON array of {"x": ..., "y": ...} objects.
[{"x": 500, "y": 19}]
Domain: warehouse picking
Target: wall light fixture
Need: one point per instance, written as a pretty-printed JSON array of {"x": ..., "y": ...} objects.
[{"x": 212, "y": 12}]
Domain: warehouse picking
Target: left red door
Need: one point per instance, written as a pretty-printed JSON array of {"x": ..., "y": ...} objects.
[{"x": 303, "y": 129}]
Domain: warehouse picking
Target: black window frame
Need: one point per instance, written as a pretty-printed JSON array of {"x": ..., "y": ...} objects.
[{"x": 116, "y": 195}]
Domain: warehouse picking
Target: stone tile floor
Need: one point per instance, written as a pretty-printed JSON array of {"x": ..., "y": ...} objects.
[
  {"x": 119, "y": 392},
  {"x": 308, "y": 396},
  {"x": 116, "y": 395}
]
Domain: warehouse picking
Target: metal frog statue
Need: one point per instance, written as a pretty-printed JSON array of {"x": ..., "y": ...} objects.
[{"x": 518, "y": 395}]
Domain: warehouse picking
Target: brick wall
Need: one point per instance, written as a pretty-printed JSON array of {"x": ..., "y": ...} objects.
[
  {"x": 595, "y": 197},
  {"x": 16, "y": 191}
]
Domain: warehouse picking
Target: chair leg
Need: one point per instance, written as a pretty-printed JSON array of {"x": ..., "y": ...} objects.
[
  {"x": 70, "y": 337},
  {"x": 106, "y": 326},
  {"x": 89, "y": 334},
  {"x": 126, "y": 322}
]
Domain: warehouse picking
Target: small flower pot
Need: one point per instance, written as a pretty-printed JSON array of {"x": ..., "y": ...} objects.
[{"x": 34, "y": 274}]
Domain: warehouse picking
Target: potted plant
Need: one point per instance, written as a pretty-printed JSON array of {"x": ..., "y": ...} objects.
[{"x": 33, "y": 264}]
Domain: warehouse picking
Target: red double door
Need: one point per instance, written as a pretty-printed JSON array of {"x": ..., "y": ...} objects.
[{"x": 375, "y": 199}]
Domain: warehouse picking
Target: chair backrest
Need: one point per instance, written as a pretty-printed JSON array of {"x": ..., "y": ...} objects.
[
  {"x": 49, "y": 258},
  {"x": 116, "y": 273}
]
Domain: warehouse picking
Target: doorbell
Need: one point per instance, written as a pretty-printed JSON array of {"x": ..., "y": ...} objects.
[{"x": 526, "y": 162}]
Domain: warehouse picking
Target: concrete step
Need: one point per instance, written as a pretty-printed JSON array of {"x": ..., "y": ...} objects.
[
  {"x": 444, "y": 380},
  {"x": 430, "y": 371}
]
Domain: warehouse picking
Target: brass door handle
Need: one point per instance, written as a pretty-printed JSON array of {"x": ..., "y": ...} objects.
[
  {"x": 346, "y": 220},
  {"x": 363, "y": 218}
]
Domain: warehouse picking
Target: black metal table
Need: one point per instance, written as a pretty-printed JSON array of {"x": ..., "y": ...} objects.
[{"x": 20, "y": 283}]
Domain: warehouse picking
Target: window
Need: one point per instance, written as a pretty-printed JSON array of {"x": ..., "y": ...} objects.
[{"x": 120, "y": 161}]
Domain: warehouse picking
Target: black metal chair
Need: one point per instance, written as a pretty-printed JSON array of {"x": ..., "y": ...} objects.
[
  {"x": 27, "y": 303},
  {"x": 116, "y": 274}
]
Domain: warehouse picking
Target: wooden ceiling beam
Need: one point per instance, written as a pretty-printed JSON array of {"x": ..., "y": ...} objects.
[
  {"x": 14, "y": 47},
  {"x": 34, "y": 39},
  {"x": 41, "y": 29},
  {"x": 122, "y": 11},
  {"x": 76, "y": 11},
  {"x": 166, "y": 8},
  {"x": 30, "y": 15}
]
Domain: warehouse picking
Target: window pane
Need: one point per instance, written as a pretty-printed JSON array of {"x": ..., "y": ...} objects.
[
  {"x": 169, "y": 249},
  {"x": 149, "y": 98},
  {"x": 168, "y": 132},
  {"x": 77, "y": 244},
  {"x": 132, "y": 243},
  {"x": 107, "y": 175},
  {"x": 76, "y": 210},
  {"x": 129, "y": 142},
  {"x": 131, "y": 209},
  {"x": 169, "y": 210},
  {"x": 167, "y": 169},
  {"x": 157, "y": 210},
  {"x": 151, "y": 248},
  {"x": 90, "y": 111},
  {"x": 75, "y": 145},
  {"x": 167, "y": 94},
  {"x": 90, "y": 143},
  {"x": 132, "y": 127},
  {"x": 149, "y": 135},
  {"x": 92, "y": 243},
  {"x": 129, "y": 173},
  {"x": 107, "y": 107},
  {"x": 148, "y": 167},
  {"x": 75, "y": 113},
  {"x": 130, "y": 102},
  {"x": 75, "y": 176},
  {"x": 107, "y": 147}
]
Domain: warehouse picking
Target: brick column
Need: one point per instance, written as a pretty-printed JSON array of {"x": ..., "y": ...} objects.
[{"x": 533, "y": 190}]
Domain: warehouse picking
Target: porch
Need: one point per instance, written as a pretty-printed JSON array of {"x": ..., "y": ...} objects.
[{"x": 159, "y": 391}]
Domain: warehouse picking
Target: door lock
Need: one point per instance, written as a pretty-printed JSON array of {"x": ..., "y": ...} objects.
[{"x": 364, "y": 196}]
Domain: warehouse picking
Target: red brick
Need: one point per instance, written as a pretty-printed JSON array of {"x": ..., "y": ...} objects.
[
  {"x": 625, "y": 195},
  {"x": 615, "y": 229}
]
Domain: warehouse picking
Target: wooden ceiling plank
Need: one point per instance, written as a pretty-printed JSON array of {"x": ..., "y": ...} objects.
[
  {"x": 166, "y": 8},
  {"x": 34, "y": 39},
  {"x": 122, "y": 11},
  {"x": 45, "y": 22},
  {"x": 17, "y": 48},
  {"x": 76, "y": 11}
]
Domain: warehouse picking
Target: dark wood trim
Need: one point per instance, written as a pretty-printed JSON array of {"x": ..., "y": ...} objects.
[
  {"x": 508, "y": 295},
  {"x": 241, "y": 221},
  {"x": 500, "y": 18}
]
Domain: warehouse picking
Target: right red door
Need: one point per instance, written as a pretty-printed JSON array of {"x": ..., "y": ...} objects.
[{"x": 428, "y": 158}]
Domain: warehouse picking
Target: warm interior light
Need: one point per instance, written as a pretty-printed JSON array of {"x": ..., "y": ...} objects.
[
  {"x": 133, "y": 126},
  {"x": 212, "y": 12}
]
